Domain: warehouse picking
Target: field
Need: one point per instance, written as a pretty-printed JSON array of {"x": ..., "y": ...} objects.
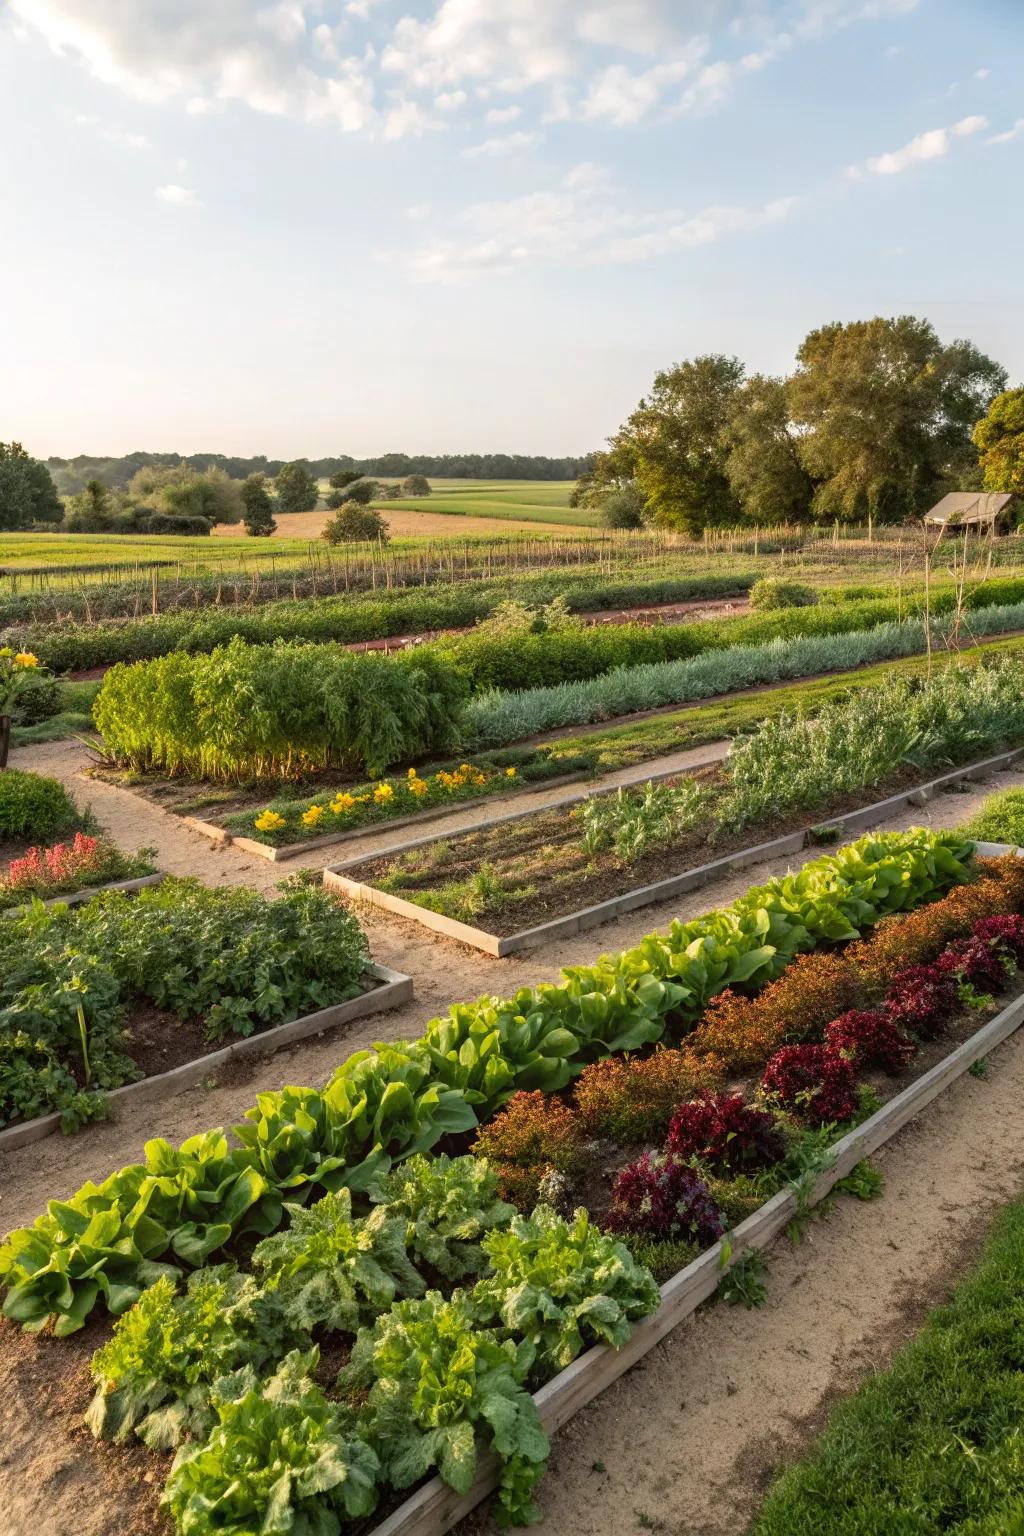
[{"x": 363, "y": 1298}]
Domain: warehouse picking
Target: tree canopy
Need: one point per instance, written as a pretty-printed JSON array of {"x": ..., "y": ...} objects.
[
  {"x": 297, "y": 488},
  {"x": 999, "y": 439},
  {"x": 259, "y": 508},
  {"x": 27, "y": 492}
]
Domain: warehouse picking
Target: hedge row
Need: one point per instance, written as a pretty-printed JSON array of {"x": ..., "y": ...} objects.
[{"x": 350, "y": 619}]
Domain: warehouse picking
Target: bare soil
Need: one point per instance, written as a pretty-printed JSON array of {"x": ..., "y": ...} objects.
[
  {"x": 404, "y": 524},
  {"x": 690, "y": 1437}
]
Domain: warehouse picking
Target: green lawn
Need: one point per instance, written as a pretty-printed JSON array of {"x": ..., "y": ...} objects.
[
  {"x": 535, "y": 501},
  {"x": 933, "y": 1444}
]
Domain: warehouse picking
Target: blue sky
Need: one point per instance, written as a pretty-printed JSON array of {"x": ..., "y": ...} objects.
[{"x": 430, "y": 225}]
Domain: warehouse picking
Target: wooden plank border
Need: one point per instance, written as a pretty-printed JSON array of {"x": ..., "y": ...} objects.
[
  {"x": 388, "y": 989},
  {"x": 435, "y": 1508},
  {"x": 500, "y": 946},
  {"x": 76, "y": 898}
]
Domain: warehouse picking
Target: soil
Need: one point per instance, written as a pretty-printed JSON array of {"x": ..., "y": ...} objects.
[
  {"x": 690, "y": 1437},
  {"x": 546, "y": 873},
  {"x": 404, "y": 524}
]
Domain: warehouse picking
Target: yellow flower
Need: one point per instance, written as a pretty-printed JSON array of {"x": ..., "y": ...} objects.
[
  {"x": 7, "y": 650},
  {"x": 26, "y": 659},
  {"x": 383, "y": 793},
  {"x": 342, "y": 803},
  {"x": 418, "y": 787},
  {"x": 510, "y": 773},
  {"x": 269, "y": 821},
  {"x": 312, "y": 816},
  {"x": 411, "y": 774}
]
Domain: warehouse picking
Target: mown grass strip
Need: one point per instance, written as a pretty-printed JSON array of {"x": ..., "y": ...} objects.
[{"x": 934, "y": 1443}]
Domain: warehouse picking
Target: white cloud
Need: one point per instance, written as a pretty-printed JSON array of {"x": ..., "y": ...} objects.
[
  {"x": 982, "y": 74},
  {"x": 180, "y": 197},
  {"x": 1009, "y": 134},
  {"x": 501, "y": 145},
  {"x": 580, "y": 222},
  {"x": 933, "y": 145},
  {"x": 499, "y": 115}
]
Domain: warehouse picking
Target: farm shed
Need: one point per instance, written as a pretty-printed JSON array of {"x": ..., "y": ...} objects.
[{"x": 985, "y": 510}]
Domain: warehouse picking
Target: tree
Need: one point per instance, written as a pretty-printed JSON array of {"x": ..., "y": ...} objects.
[
  {"x": 363, "y": 492},
  {"x": 416, "y": 485},
  {"x": 27, "y": 492},
  {"x": 885, "y": 412},
  {"x": 999, "y": 439},
  {"x": 178, "y": 490},
  {"x": 259, "y": 509},
  {"x": 675, "y": 445},
  {"x": 344, "y": 477},
  {"x": 92, "y": 510},
  {"x": 353, "y": 523},
  {"x": 763, "y": 461},
  {"x": 623, "y": 507},
  {"x": 297, "y": 488}
]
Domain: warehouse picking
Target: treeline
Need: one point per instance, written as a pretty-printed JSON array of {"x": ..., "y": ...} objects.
[
  {"x": 878, "y": 420},
  {"x": 72, "y": 475}
]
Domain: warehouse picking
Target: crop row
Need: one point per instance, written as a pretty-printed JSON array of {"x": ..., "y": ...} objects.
[
  {"x": 388, "y": 1103},
  {"x": 494, "y": 719},
  {"x": 278, "y": 711}
]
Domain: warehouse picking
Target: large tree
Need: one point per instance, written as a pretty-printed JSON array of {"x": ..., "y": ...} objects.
[
  {"x": 763, "y": 463},
  {"x": 259, "y": 509},
  {"x": 27, "y": 491},
  {"x": 999, "y": 439},
  {"x": 677, "y": 444},
  {"x": 297, "y": 488},
  {"x": 885, "y": 412}
]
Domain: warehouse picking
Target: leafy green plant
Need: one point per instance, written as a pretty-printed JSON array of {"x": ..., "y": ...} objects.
[
  {"x": 435, "y": 1381},
  {"x": 631, "y": 822},
  {"x": 328, "y": 1270},
  {"x": 744, "y": 1281},
  {"x": 563, "y": 1286},
  {"x": 279, "y": 1459},
  {"x": 447, "y": 1204},
  {"x": 156, "y": 1375}
]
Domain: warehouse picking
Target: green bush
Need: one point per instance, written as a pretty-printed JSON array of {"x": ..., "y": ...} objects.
[
  {"x": 272, "y": 711},
  {"x": 354, "y": 523},
  {"x": 34, "y": 807},
  {"x": 182, "y": 523},
  {"x": 772, "y": 592},
  {"x": 38, "y": 698}
]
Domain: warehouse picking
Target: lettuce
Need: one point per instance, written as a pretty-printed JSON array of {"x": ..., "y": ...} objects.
[{"x": 448, "y": 1204}]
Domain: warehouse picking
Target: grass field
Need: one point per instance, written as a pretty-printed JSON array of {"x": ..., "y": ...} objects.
[{"x": 532, "y": 501}]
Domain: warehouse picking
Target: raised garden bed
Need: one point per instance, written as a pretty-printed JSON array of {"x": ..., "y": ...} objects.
[
  {"x": 551, "y": 830},
  {"x": 385, "y": 989}
]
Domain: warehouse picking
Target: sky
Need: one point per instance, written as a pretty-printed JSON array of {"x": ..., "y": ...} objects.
[{"x": 313, "y": 227}]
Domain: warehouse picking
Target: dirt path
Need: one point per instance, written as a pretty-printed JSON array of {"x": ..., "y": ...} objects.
[{"x": 687, "y": 1438}]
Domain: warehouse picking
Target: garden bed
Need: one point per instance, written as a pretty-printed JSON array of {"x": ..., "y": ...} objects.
[
  {"x": 190, "y": 1058},
  {"x": 619, "y": 888}
]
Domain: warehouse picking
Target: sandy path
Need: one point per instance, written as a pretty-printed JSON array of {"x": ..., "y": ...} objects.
[
  {"x": 688, "y": 1437},
  {"x": 404, "y": 524}
]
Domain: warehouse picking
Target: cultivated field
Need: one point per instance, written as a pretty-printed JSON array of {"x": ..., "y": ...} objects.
[{"x": 671, "y": 897}]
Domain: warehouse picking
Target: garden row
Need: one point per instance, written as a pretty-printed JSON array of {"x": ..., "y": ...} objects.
[
  {"x": 514, "y": 877},
  {"x": 288, "y": 709},
  {"x": 450, "y": 1309}
]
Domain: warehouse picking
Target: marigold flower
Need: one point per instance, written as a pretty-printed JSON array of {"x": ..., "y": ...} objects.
[
  {"x": 510, "y": 773},
  {"x": 26, "y": 659},
  {"x": 269, "y": 821},
  {"x": 383, "y": 793},
  {"x": 418, "y": 787},
  {"x": 312, "y": 816},
  {"x": 342, "y": 803}
]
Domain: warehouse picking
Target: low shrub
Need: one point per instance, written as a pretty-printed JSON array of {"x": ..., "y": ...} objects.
[
  {"x": 771, "y": 592},
  {"x": 37, "y": 698},
  {"x": 354, "y": 523},
  {"x": 724, "y": 1132},
  {"x": 658, "y": 1196},
  {"x": 179, "y": 523},
  {"x": 870, "y": 1038},
  {"x": 68, "y": 867},
  {"x": 634, "y": 1098},
  {"x": 1005, "y": 931},
  {"x": 742, "y": 1031},
  {"x": 812, "y": 1082},
  {"x": 33, "y": 806},
  {"x": 533, "y": 1133}
]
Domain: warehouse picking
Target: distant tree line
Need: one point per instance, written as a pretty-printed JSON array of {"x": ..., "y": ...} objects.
[
  {"x": 70, "y": 475},
  {"x": 877, "y": 421}
]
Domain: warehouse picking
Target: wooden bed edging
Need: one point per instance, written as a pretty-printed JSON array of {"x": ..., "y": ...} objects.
[
  {"x": 76, "y": 898},
  {"x": 393, "y": 990},
  {"x": 580, "y": 921},
  {"x": 435, "y": 1507}
]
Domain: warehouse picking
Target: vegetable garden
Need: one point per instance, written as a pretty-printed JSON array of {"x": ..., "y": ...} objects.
[{"x": 353, "y": 1308}]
